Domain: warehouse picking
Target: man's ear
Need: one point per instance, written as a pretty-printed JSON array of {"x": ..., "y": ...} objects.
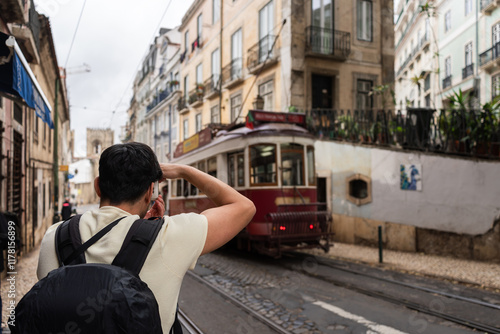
[
  {"x": 96, "y": 187},
  {"x": 149, "y": 193}
]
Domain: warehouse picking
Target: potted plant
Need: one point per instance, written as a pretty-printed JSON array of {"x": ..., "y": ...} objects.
[
  {"x": 174, "y": 83},
  {"x": 200, "y": 88}
]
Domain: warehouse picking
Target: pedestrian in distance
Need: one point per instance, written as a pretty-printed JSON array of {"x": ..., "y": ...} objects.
[
  {"x": 126, "y": 182},
  {"x": 66, "y": 209}
]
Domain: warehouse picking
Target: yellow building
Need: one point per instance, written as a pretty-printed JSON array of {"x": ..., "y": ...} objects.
[{"x": 289, "y": 55}]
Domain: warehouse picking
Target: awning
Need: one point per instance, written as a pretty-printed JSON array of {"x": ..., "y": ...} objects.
[{"x": 18, "y": 81}]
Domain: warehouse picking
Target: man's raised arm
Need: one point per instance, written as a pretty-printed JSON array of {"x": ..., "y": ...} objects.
[{"x": 232, "y": 213}]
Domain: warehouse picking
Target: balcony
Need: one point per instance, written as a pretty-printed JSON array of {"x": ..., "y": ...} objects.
[
  {"x": 333, "y": 43},
  {"x": 182, "y": 105},
  {"x": 488, "y": 6},
  {"x": 159, "y": 98},
  {"x": 263, "y": 54},
  {"x": 467, "y": 71},
  {"x": 489, "y": 59},
  {"x": 232, "y": 74},
  {"x": 447, "y": 82},
  {"x": 28, "y": 35},
  {"x": 196, "y": 96},
  {"x": 212, "y": 86}
]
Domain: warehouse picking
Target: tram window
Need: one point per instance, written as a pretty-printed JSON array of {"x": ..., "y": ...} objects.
[
  {"x": 179, "y": 188},
  {"x": 311, "y": 173},
  {"x": 185, "y": 188},
  {"x": 201, "y": 166},
  {"x": 230, "y": 170},
  {"x": 241, "y": 170},
  {"x": 193, "y": 191},
  {"x": 212, "y": 167},
  {"x": 263, "y": 164},
  {"x": 292, "y": 164}
]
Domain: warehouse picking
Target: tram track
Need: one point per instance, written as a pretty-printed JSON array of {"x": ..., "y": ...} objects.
[
  {"x": 487, "y": 328},
  {"x": 188, "y": 324},
  {"x": 270, "y": 324}
]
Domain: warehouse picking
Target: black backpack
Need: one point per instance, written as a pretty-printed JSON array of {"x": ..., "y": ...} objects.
[{"x": 80, "y": 297}]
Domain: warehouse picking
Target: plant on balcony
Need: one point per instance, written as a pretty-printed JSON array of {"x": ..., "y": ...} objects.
[
  {"x": 174, "y": 83},
  {"x": 200, "y": 88},
  {"x": 348, "y": 128}
]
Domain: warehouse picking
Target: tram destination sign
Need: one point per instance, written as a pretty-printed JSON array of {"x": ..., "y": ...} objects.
[
  {"x": 256, "y": 117},
  {"x": 200, "y": 139}
]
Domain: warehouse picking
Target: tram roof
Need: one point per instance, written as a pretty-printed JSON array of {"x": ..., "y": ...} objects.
[{"x": 206, "y": 139}]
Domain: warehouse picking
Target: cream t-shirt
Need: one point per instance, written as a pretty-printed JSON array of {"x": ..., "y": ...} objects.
[{"x": 176, "y": 249}]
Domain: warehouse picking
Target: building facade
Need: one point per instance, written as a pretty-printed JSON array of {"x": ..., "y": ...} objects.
[
  {"x": 35, "y": 136},
  {"x": 443, "y": 48}
]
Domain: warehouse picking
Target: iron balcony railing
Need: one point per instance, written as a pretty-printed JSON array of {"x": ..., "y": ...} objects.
[
  {"x": 181, "y": 103},
  {"x": 196, "y": 95},
  {"x": 490, "y": 54},
  {"x": 328, "y": 42},
  {"x": 264, "y": 50},
  {"x": 159, "y": 98},
  {"x": 233, "y": 70},
  {"x": 212, "y": 84},
  {"x": 447, "y": 82},
  {"x": 467, "y": 71},
  {"x": 456, "y": 131}
]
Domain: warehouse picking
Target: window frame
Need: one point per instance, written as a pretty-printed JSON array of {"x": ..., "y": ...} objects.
[
  {"x": 447, "y": 21},
  {"x": 303, "y": 169}
]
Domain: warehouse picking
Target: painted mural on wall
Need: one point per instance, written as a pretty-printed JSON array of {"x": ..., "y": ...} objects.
[{"x": 411, "y": 177}]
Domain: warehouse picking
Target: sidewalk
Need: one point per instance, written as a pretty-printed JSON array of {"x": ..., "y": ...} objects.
[{"x": 480, "y": 274}]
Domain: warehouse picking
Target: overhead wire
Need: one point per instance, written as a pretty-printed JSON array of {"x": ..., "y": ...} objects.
[
  {"x": 139, "y": 64},
  {"x": 74, "y": 35}
]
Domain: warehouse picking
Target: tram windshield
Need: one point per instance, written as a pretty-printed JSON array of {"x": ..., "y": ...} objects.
[{"x": 292, "y": 164}]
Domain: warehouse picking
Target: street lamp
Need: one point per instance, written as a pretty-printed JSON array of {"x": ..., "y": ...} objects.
[{"x": 258, "y": 103}]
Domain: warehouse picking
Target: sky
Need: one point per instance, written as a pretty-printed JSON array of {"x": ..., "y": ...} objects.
[{"x": 112, "y": 38}]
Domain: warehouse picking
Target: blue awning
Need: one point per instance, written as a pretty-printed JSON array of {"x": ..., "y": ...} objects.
[{"x": 18, "y": 81}]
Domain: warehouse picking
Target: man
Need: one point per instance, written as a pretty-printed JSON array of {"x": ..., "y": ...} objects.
[
  {"x": 127, "y": 173},
  {"x": 66, "y": 209}
]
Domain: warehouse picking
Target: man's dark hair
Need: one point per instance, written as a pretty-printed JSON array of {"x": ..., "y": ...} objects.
[{"x": 126, "y": 172}]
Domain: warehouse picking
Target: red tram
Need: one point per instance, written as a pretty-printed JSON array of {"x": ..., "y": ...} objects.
[{"x": 270, "y": 161}]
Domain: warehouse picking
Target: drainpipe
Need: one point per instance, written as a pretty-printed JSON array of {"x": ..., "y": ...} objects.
[
  {"x": 476, "y": 76},
  {"x": 56, "y": 162}
]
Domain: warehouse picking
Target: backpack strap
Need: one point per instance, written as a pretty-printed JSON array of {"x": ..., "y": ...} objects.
[
  {"x": 137, "y": 244},
  {"x": 68, "y": 239},
  {"x": 74, "y": 243}
]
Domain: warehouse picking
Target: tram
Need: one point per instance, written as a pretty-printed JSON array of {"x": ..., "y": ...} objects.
[{"x": 270, "y": 160}]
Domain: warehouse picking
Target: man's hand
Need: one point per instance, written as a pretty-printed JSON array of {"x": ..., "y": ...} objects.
[{"x": 158, "y": 209}]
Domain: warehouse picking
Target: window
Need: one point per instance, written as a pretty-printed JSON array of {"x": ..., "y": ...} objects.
[
  {"x": 263, "y": 164},
  {"x": 495, "y": 86},
  {"x": 427, "y": 29},
  {"x": 236, "y": 55},
  {"x": 292, "y": 164},
  {"x": 198, "y": 122},
  {"x": 428, "y": 100},
  {"x": 359, "y": 188},
  {"x": 447, "y": 67},
  {"x": 215, "y": 114},
  {"x": 18, "y": 113},
  {"x": 215, "y": 11},
  {"x": 468, "y": 54},
  {"x": 495, "y": 34},
  {"x": 236, "y": 170},
  {"x": 193, "y": 191},
  {"x": 427, "y": 82},
  {"x": 185, "y": 129},
  {"x": 363, "y": 98},
  {"x": 186, "y": 87},
  {"x": 199, "y": 74},
  {"x": 215, "y": 69},
  {"x": 468, "y": 7},
  {"x": 311, "y": 172},
  {"x": 266, "y": 25},
  {"x": 266, "y": 92},
  {"x": 364, "y": 20},
  {"x": 199, "y": 27},
  {"x": 447, "y": 21},
  {"x": 235, "y": 106},
  {"x": 212, "y": 167},
  {"x": 186, "y": 41}
]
